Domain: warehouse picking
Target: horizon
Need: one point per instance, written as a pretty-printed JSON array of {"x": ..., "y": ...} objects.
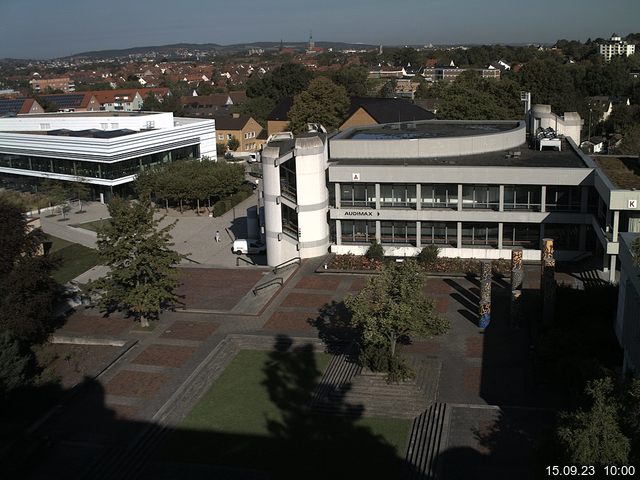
[{"x": 63, "y": 30}]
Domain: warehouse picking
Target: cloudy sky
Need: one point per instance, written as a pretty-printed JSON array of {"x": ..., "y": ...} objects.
[{"x": 52, "y": 28}]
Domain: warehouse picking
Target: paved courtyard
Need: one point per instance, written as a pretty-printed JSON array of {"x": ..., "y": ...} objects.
[{"x": 479, "y": 370}]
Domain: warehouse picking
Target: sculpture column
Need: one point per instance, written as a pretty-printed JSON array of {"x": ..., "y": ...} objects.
[
  {"x": 517, "y": 276},
  {"x": 485, "y": 295},
  {"x": 548, "y": 280}
]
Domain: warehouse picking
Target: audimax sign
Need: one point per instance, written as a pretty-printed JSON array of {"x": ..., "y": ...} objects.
[{"x": 360, "y": 213}]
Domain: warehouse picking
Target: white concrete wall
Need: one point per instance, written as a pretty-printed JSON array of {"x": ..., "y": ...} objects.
[
  {"x": 84, "y": 121},
  {"x": 312, "y": 196},
  {"x": 479, "y": 253},
  {"x": 272, "y": 207}
]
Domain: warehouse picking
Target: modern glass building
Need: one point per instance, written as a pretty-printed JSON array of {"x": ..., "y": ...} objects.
[
  {"x": 103, "y": 149},
  {"x": 475, "y": 189}
]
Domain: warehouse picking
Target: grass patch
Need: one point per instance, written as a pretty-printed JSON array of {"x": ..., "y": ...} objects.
[
  {"x": 75, "y": 259},
  {"x": 93, "y": 226},
  {"x": 255, "y": 417}
]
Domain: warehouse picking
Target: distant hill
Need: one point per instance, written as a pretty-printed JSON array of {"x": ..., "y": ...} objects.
[{"x": 210, "y": 47}]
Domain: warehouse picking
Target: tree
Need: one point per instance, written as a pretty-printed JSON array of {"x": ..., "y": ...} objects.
[
  {"x": 389, "y": 89},
  {"x": 80, "y": 190},
  {"x": 375, "y": 252},
  {"x": 151, "y": 103},
  {"x": 593, "y": 436},
  {"x": 322, "y": 102},
  {"x": 631, "y": 141},
  {"x": 14, "y": 363},
  {"x": 392, "y": 307},
  {"x": 233, "y": 143},
  {"x": 287, "y": 80},
  {"x": 28, "y": 293},
  {"x": 353, "y": 78},
  {"x": 258, "y": 108},
  {"x": 142, "y": 278}
]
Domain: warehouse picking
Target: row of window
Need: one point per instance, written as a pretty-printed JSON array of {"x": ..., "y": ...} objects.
[
  {"x": 487, "y": 197},
  {"x": 109, "y": 171},
  {"x": 525, "y": 235}
]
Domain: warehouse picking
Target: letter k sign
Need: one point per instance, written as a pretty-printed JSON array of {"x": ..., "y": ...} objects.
[{"x": 632, "y": 204}]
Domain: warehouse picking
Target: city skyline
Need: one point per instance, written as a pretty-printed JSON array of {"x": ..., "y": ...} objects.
[{"x": 56, "y": 30}]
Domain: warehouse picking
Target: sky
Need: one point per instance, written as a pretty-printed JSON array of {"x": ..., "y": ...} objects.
[{"x": 55, "y": 28}]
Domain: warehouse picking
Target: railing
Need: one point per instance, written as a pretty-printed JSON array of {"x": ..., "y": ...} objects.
[
  {"x": 192, "y": 261},
  {"x": 273, "y": 281},
  {"x": 286, "y": 264},
  {"x": 250, "y": 262}
]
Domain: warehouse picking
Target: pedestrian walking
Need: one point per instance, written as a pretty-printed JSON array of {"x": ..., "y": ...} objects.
[{"x": 217, "y": 236}]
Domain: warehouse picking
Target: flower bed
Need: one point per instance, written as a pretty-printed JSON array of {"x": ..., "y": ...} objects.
[{"x": 350, "y": 261}]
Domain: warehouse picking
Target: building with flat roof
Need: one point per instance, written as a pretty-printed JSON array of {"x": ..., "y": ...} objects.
[
  {"x": 104, "y": 149},
  {"x": 627, "y": 325},
  {"x": 615, "y": 46},
  {"x": 475, "y": 189}
]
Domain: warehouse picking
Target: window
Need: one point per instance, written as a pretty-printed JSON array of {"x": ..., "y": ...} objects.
[
  {"x": 563, "y": 199},
  {"x": 289, "y": 221},
  {"x": 522, "y": 197},
  {"x": 484, "y": 234},
  {"x": 288, "y": 184},
  {"x": 481, "y": 196},
  {"x": 439, "y": 233},
  {"x": 565, "y": 237},
  {"x": 45, "y": 126},
  {"x": 358, "y": 195},
  {"x": 358, "y": 231},
  {"x": 525, "y": 235},
  {"x": 104, "y": 126},
  {"x": 439, "y": 196},
  {"x": 398, "y": 233},
  {"x": 229, "y": 136},
  {"x": 397, "y": 195},
  {"x": 220, "y": 137}
]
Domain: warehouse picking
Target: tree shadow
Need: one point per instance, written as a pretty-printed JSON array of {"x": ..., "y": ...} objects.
[
  {"x": 332, "y": 323},
  {"x": 83, "y": 437}
]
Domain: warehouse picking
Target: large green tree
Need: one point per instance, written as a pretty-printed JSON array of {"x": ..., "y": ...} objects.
[
  {"x": 142, "y": 278},
  {"x": 27, "y": 292},
  {"x": 287, "y": 80},
  {"x": 392, "y": 306},
  {"x": 353, "y": 78},
  {"x": 14, "y": 364},
  {"x": 592, "y": 436},
  {"x": 322, "y": 102},
  {"x": 631, "y": 141}
]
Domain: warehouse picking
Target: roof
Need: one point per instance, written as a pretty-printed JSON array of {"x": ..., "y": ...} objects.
[
  {"x": 567, "y": 158},
  {"x": 64, "y": 101},
  {"x": 111, "y": 96},
  {"x": 91, "y": 133},
  {"x": 15, "y": 106},
  {"x": 208, "y": 101},
  {"x": 229, "y": 122},
  {"x": 389, "y": 110},
  {"x": 624, "y": 172}
]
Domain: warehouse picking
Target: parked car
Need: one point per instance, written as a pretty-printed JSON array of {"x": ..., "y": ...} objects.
[{"x": 244, "y": 246}]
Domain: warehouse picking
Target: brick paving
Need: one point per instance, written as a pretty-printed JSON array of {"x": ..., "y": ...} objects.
[
  {"x": 135, "y": 384},
  {"x": 477, "y": 369},
  {"x": 164, "y": 355},
  {"x": 92, "y": 322},
  {"x": 185, "y": 330},
  {"x": 215, "y": 288}
]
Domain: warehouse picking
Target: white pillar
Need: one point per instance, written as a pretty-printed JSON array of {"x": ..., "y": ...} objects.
[
  {"x": 543, "y": 198},
  {"x": 616, "y": 224},
  {"x": 501, "y": 199}
]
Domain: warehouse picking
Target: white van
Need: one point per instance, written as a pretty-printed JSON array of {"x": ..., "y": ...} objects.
[{"x": 244, "y": 246}]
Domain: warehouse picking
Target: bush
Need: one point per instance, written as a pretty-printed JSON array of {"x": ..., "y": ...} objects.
[
  {"x": 375, "y": 252},
  {"x": 378, "y": 359},
  {"x": 223, "y": 206},
  {"x": 429, "y": 255}
]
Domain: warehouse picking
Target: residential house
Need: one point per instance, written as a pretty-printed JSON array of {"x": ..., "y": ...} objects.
[
  {"x": 65, "y": 84},
  {"x": 615, "y": 46},
  {"x": 74, "y": 102},
  {"x": 242, "y": 127},
  {"x": 373, "y": 111},
  {"x": 10, "y": 107}
]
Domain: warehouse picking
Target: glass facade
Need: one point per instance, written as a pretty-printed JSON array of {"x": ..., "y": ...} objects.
[
  {"x": 403, "y": 233},
  {"x": 525, "y": 235},
  {"x": 358, "y": 195},
  {"x": 523, "y": 197},
  {"x": 397, "y": 195},
  {"x": 483, "y": 234},
  {"x": 563, "y": 199},
  {"x": 565, "y": 237},
  {"x": 109, "y": 171},
  {"x": 288, "y": 184},
  {"x": 358, "y": 231},
  {"x": 289, "y": 221},
  {"x": 485, "y": 197},
  {"x": 439, "y": 233},
  {"x": 439, "y": 196}
]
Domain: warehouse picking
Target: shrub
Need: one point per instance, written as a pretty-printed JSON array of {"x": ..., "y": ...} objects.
[
  {"x": 429, "y": 255},
  {"x": 375, "y": 252},
  {"x": 378, "y": 359}
]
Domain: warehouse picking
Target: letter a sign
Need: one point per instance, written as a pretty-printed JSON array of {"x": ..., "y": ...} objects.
[{"x": 355, "y": 177}]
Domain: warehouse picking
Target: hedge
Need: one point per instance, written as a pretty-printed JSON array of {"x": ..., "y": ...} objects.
[{"x": 226, "y": 204}]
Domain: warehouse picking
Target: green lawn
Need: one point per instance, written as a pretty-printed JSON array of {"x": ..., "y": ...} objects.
[
  {"x": 93, "y": 226},
  {"x": 74, "y": 258},
  {"x": 254, "y": 417}
]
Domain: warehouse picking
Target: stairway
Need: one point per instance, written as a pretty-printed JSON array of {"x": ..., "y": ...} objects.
[{"x": 427, "y": 441}]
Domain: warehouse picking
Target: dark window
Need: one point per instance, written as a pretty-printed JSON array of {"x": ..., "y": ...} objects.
[
  {"x": 398, "y": 233},
  {"x": 481, "y": 196},
  {"x": 526, "y": 235},
  {"x": 358, "y": 231},
  {"x": 358, "y": 195},
  {"x": 439, "y": 196},
  {"x": 485, "y": 234},
  {"x": 522, "y": 197},
  {"x": 563, "y": 199},
  {"x": 439, "y": 233},
  {"x": 397, "y": 195}
]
